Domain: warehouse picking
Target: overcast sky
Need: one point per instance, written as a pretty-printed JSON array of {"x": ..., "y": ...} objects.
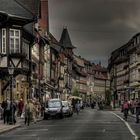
[{"x": 96, "y": 27}]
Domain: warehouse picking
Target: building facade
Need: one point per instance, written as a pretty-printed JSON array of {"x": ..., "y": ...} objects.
[
  {"x": 124, "y": 70},
  {"x": 43, "y": 67}
]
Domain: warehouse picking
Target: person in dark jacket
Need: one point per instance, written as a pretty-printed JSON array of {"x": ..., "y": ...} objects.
[
  {"x": 13, "y": 108},
  {"x": 4, "y": 106}
]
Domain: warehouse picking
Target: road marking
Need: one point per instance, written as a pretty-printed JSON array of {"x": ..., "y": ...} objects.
[{"x": 128, "y": 126}]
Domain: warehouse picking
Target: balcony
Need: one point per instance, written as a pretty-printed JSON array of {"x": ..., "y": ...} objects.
[
  {"x": 121, "y": 59},
  {"x": 17, "y": 55}
]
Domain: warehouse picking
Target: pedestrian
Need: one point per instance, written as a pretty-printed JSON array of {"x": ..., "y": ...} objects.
[
  {"x": 77, "y": 107},
  {"x": 20, "y": 107},
  {"x": 125, "y": 109},
  {"x": 34, "y": 111},
  {"x": 13, "y": 107},
  {"x": 4, "y": 106},
  {"x": 137, "y": 109},
  {"x": 28, "y": 112}
]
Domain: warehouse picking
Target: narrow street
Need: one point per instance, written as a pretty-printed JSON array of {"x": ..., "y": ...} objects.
[{"x": 88, "y": 125}]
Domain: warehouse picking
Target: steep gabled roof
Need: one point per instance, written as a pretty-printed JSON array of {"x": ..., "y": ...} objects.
[
  {"x": 54, "y": 43},
  {"x": 26, "y": 9},
  {"x": 32, "y": 6},
  {"x": 20, "y": 8},
  {"x": 65, "y": 40}
]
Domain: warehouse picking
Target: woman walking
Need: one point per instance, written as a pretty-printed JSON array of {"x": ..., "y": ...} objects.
[{"x": 28, "y": 112}]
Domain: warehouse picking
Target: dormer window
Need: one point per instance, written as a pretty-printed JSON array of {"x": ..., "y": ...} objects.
[{"x": 14, "y": 41}]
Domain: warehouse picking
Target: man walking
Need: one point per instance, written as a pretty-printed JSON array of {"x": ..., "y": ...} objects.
[
  {"x": 125, "y": 109},
  {"x": 4, "y": 107}
]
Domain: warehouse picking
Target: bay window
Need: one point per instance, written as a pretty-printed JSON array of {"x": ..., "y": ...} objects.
[{"x": 14, "y": 41}]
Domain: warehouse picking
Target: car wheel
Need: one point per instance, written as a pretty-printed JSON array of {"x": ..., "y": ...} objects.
[
  {"x": 61, "y": 116},
  {"x": 69, "y": 114}
]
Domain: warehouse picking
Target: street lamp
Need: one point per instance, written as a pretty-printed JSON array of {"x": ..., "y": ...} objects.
[{"x": 11, "y": 72}]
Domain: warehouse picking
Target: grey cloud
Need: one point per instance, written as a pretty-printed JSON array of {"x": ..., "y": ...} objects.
[{"x": 96, "y": 27}]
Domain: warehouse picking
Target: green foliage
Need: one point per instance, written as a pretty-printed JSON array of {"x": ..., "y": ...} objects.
[
  {"x": 75, "y": 92},
  {"x": 108, "y": 97}
]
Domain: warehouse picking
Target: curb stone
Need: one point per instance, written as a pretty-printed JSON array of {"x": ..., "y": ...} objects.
[
  {"x": 9, "y": 129},
  {"x": 14, "y": 127}
]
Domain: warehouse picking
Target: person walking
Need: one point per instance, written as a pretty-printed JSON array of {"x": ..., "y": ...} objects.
[
  {"x": 28, "y": 112},
  {"x": 4, "y": 106},
  {"x": 13, "y": 107},
  {"x": 20, "y": 107},
  {"x": 137, "y": 110},
  {"x": 125, "y": 109},
  {"x": 77, "y": 107},
  {"x": 34, "y": 111}
]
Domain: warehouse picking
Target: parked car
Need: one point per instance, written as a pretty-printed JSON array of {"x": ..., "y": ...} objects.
[
  {"x": 67, "y": 108},
  {"x": 53, "y": 108}
]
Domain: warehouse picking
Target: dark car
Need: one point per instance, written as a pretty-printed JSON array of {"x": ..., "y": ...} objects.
[{"x": 53, "y": 108}]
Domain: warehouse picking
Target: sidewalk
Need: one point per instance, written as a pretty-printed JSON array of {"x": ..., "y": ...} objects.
[
  {"x": 6, "y": 127},
  {"x": 131, "y": 121}
]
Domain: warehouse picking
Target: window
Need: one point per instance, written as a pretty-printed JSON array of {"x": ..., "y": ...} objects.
[
  {"x": 4, "y": 41},
  {"x": 14, "y": 41}
]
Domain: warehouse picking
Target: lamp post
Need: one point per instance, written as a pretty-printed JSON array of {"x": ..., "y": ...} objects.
[{"x": 11, "y": 72}]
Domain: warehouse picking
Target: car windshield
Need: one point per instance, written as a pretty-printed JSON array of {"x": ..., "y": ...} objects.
[
  {"x": 54, "y": 104},
  {"x": 65, "y": 104}
]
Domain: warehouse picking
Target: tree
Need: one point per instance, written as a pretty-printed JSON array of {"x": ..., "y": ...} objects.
[
  {"x": 75, "y": 92},
  {"x": 108, "y": 97}
]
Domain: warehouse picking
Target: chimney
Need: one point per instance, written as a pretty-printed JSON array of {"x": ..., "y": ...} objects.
[{"x": 44, "y": 17}]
